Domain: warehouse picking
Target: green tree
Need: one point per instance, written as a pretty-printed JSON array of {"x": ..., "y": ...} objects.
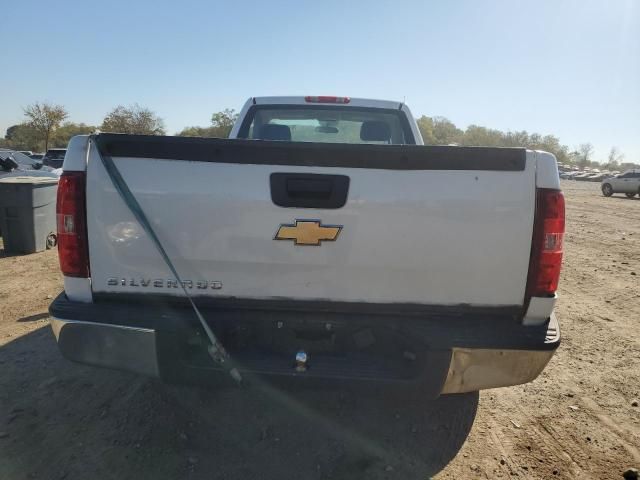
[
  {"x": 445, "y": 132},
  {"x": 197, "y": 132},
  {"x": 133, "y": 119},
  {"x": 23, "y": 137},
  {"x": 45, "y": 118},
  {"x": 221, "y": 125},
  {"x": 425, "y": 125},
  {"x": 224, "y": 119},
  {"x": 70, "y": 129},
  {"x": 475, "y": 135},
  {"x": 222, "y": 122},
  {"x": 516, "y": 139},
  {"x": 552, "y": 144},
  {"x": 548, "y": 143}
]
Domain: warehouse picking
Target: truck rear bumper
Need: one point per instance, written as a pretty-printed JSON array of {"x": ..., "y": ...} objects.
[
  {"x": 104, "y": 345},
  {"x": 440, "y": 353},
  {"x": 474, "y": 369}
]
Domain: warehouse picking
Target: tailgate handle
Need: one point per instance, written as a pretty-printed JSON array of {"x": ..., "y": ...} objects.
[{"x": 309, "y": 190}]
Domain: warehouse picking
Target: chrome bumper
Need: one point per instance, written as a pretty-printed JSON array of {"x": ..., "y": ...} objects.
[
  {"x": 478, "y": 369},
  {"x": 104, "y": 345},
  {"x": 474, "y": 369}
]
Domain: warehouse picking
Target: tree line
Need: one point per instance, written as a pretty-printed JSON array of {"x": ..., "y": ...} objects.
[
  {"x": 441, "y": 131},
  {"x": 45, "y": 126}
]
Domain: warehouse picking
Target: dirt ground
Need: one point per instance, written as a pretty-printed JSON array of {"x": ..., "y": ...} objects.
[{"x": 59, "y": 420}]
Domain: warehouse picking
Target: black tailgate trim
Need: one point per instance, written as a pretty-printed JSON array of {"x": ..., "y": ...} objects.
[
  {"x": 440, "y": 327},
  {"x": 512, "y": 312},
  {"x": 260, "y": 152}
]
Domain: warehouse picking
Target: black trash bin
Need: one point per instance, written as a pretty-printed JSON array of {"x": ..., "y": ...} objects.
[{"x": 28, "y": 213}]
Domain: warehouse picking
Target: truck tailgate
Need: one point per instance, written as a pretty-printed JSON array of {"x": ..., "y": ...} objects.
[{"x": 424, "y": 225}]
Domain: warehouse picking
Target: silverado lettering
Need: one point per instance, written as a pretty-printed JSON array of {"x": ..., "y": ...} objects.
[{"x": 160, "y": 283}]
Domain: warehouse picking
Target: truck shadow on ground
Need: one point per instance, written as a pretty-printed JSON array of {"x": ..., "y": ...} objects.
[
  {"x": 637, "y": 198},
  {"x": 34, "y": 318},
  {"x": 5, "y": 254},
  {"x": 61, "y": 420}
]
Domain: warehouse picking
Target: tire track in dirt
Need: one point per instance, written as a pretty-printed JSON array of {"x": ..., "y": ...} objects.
[
  {"x": 538, "y": 431},
  {"x": 512, "y": 465},
  {"x": 620, "y": 432}
]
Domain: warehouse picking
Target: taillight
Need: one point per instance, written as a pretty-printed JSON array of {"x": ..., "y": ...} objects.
[
  {"x": 71, "y": 218},
  {"x": 546, "y": 248},
  {"x": 325, "y": 99}
]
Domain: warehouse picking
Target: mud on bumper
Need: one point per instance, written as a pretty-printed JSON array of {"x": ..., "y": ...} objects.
[{"x": 439, "y": 350}]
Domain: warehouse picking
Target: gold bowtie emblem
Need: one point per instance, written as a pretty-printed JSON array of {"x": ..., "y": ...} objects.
[{"x": 308, "y": 232}]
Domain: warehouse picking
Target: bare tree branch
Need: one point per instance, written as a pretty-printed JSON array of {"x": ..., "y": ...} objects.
[{"x": 45, "y": 118}]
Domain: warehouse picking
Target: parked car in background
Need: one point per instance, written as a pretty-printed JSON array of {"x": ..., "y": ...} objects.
[
  {"x": 7, "y": 162},
  {"x": 54, "y": 157},
  {"x": 627, "y": 183},
  {"x": 36, "y": 156},
  {"x": 14, "y": 163},
  {"x": 581, "y": 176},
  {"x": 596, "y": 177},
  {"x": 568, "y": 175},
  {"x": 28, "y": 153},
  {"x": 20, "y": 159}
]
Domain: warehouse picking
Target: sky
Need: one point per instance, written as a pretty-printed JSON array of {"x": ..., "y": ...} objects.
[{"x": 570, "y": 68}]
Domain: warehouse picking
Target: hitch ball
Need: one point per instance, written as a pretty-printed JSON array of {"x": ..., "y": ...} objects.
[{"x": 301, "y": 361}]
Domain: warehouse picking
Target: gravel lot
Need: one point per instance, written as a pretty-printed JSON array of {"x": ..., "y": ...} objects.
[{"x": 59, "y": 420}]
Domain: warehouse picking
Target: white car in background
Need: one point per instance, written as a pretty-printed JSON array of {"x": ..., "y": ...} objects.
[
  {"x": 627, "y": 183},
  {"x": 569, "y": 175}
]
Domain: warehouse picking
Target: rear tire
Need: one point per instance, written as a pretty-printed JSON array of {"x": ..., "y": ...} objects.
[
  {"x": 630, "y": 195},
  {"x": 607, "y": 191}
]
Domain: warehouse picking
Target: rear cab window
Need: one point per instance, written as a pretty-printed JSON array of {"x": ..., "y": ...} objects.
[{"x": 326, "y": 124}]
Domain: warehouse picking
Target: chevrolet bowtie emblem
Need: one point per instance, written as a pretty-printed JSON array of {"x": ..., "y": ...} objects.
[{"x": 308, "y": 232}]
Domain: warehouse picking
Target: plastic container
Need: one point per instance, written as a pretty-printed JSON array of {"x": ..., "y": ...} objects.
[{"x": 28, "y": 213}]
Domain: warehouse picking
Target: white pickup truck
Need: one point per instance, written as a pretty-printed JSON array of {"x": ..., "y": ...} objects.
[{"x": 321, "y": 240}]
